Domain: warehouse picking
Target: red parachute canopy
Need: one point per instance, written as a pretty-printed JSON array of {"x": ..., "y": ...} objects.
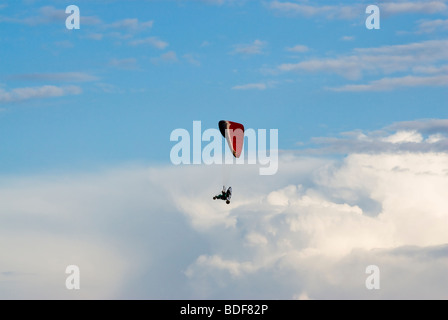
[{"x": 234, "y": 134}]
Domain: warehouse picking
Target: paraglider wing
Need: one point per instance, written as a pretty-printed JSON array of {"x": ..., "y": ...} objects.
[{"x": 234, "y": 134}]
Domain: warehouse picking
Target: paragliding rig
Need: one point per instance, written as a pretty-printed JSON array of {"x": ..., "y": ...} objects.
[
  {"x": 233, "y": 132},
  {"x": 225, "y": 195}
]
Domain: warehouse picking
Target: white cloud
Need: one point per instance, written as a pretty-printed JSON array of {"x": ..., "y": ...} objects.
[
  {"x": 409, "y": 136},
  {"x": 349, "y": 67},
  {"x": 192, "y": 59},
  {"x": 432, "y": 26},
  {"x": 404, "y": 136},
  {"x": 302, "y": 296},
  {"x": 431, "y": 126},
  {"x": 251, "y": 86},
  {"x": 234, "y": 268},
  {"x": 168, "y": 57},
  {"x": 152, "y": 41},
  {"x": 328, "y": 11},
  {"x": 222, "y": 2},
  {"x": 348, "y": 12},
  {"x": 132, "y": 24},
  {"x": 256, "y": 239},
  {"x": 64, "y": 44},
  {"x": 94, "y": 36},
  {"x": 326, "y": 232},
  {"x": 28, "y": 93},
  {"x": 308, "y": 232},
  {"x": 431, "y": 69},
  {"x": 434, "y": 138},
  {"x": 348, "y": 38},
  {"x": 298, "y": 48},
  {"x": 422, "y": 7},
  {"x": 126, "y": 63},
  {"x": 48, "y": 15},
  {"x": 387, "y": 84},
  {"x": 214, "y": 2},
  {"x": 255, "y": 47},
  {"x": 385, "y": 59},
  {"x": 55, "y": 77}
]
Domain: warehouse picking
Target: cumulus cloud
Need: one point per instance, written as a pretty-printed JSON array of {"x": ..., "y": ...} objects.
[
  {"x": 324, "y": 230},
  {"x": 411, "y": 136},
  {"x": 308, "y": 232}
]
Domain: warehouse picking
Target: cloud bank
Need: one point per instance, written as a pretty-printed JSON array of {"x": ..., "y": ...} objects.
[{"x": 308, "y": 232}]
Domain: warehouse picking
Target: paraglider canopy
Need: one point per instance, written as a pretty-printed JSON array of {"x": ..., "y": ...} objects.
[{"x": 234, "y": 134}]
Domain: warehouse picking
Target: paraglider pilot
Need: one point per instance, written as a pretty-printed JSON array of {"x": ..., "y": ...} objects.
[{"x": 225, "y": 195}]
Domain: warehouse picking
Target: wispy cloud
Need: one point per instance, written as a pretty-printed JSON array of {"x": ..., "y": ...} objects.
[
  {"x": 386, "y": 60},
  {"x": 94, "y": 36},
  {"x": 387, "y": 84},
  {"x": 255, "y": 47},
  {"x": 426, "y": 126},
  {"x": 422, "y": 7},
  {"x": 222, "y": 2},
  {"x": 347, "y": 38},
  {"x": 298, "y": 48},
  {"x": 192, "y": 59},
  {"x": 328, "y": 11},
  {"x": 131, "y": 24},
  {"x": 55, "y": 77},
  {"x": 126, "y": 64},
  {"x": 152, "y": 41},
  {"x": 353, "y": 11},
  {"x": 251, "y": 86},
  {"x": 48, "y": 15},
  {"x": 168, "y": 57},
  {"x": 430, "y": 26},
  {"x": 28, "y": 93}
]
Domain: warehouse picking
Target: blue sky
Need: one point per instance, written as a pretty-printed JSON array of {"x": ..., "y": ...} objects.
[
  {"x": 85, "y": 172},
  {"x": 137, "y": 70}
]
